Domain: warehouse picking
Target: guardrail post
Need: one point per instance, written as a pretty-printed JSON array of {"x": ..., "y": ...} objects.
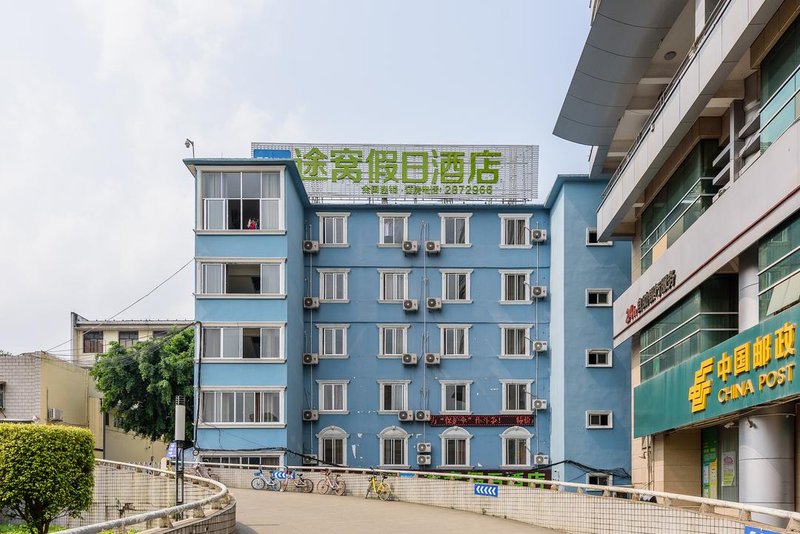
[
  {"x": 667, "y": 501},
  {"x": 793, "y": 526},
  {"x": 198, "y": 513},
  {"x": 706, "y": 508},
  {"x": 744, "y": 515},
  {"x": 165, "y": 522}
]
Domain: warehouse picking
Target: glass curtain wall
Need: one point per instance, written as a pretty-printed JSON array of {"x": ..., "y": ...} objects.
[
  {"x": 779, "y": 268},
  {"x": 780, "y": 83}
]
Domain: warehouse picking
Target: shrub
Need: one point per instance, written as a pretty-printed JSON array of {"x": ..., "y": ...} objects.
[{"x": 45, "y": 472}]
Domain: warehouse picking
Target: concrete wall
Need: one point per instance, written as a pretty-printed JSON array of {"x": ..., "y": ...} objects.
[
  {"x": 66, "y": 387},
  {"x": 21, "y": 373}
]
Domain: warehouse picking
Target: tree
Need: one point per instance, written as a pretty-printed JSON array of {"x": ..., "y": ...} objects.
[
  {"x": 139, "y": 384},
  {"x": 45, "y": 472}
]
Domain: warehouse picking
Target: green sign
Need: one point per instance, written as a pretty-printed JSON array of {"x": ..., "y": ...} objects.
[{"x": 749, "y": 369}]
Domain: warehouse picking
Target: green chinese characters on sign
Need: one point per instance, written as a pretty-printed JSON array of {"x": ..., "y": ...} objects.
[
  {"x": 313, "y": 165},
  {"x": 345, "y": 164},
  {"x": 414, "y": 167},
  {"x": 382, "y": 166},
  {"x": 484, "y": 167},
  {"x": 451, "y": 167}
]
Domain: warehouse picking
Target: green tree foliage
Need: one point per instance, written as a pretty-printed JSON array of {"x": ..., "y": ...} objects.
[
  {"x": 45, "y": 472},
  {"x": 139, "y": 384}
]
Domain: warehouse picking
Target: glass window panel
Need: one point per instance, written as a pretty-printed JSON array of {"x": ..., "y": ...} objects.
[
  {"x": 270, "y": 185},
  {"x": 270, "y": 215},
  {"x": 209, "y": 412},
  {"x": 212, "y": 185},
  {"x": 251, "y": 343},
  {"x": 271, "y": 407},
  {"x": 226, "y": 407},
  {"x": 251, "y": 185},
  {"x": 231, "y": 338},
  {"x": 270, "y": 279},
  {"x": 232, "y": 187},
  {"x": 212, "y": 339},
  {"x": 250, "y": 408},
  {"x": 212, "y": 278},
  {"x": 215, "y": 214},
  {"x": 270, "y": 342}
]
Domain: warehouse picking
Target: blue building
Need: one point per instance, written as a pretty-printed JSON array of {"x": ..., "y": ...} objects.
[{"x": 433, "y": 316}]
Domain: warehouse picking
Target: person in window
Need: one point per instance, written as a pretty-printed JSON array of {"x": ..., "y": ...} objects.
[{"x": 252, "y": 224}]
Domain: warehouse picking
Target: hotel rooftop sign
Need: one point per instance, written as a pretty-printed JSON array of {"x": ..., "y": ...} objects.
[{"x": 470, "y": 173}]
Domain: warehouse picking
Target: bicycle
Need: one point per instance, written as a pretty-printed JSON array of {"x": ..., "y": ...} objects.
[
  {"x": 202, "y": 471},
  {"x": 260, "y": 481},
  {"x": 330, "y": 482},
  {"x": 302, "y": 484},
  {"x": 382, "y": 489}
]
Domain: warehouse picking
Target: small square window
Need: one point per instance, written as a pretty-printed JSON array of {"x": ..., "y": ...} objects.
[
  {"x": 333, "y": 229},
  {"x": 598, "y": 297},
  {"x": 393, "y": 229},
  {"x": 598, "y": 358},
  {"x": 332, "y": 397},
  {"x": 455, "y": 229},
  {"x": 592, "y": 241},
  {"x": 598, "y": 479},
  {"x": 599, "y": 419},
  {"x": 128, "y": 339}
]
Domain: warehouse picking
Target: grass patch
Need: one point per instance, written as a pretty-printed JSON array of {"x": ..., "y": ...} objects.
[{"x": 23, "y": 529}]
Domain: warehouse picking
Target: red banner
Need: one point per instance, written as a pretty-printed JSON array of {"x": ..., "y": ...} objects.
[{"x": 482, "y": 420}]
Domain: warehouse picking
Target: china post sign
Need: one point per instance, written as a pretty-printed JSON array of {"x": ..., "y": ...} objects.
[
  {"x": 463, "y": 172},
  {"x": 753, "y": 367}
]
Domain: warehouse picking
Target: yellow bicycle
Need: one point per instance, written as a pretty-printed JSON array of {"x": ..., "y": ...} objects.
[{"x": 381, "y": 488}]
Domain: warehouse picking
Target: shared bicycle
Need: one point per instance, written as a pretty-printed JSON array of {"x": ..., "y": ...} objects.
[
  {"x": 332, "y": 483},
  {"x": 261, "y": 481},
  {"x": 381, "y": 488}
]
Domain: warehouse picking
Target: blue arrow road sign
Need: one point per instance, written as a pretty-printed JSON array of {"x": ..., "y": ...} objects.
[
  {"x": 756, "y": 530},
  {"x": 282, "y": 475},
  {"x": 487, "y": 490}
]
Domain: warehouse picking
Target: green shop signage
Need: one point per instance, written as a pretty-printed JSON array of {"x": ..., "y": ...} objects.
[{"x": 753, "y": 367}]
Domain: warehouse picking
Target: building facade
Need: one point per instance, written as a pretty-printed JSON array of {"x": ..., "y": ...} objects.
[
  {"x": 405, "y": 329},
  {"x": 691, "y": 109}
]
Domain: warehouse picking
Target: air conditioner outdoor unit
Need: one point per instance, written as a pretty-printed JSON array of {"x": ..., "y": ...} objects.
[
  {"x": 538, "y": 292},
  {"x": 434, "y": 303},
  {"x": 310, "y": 358},
  {"x": 424, "y": 448},
  {"x": 538, "y": 236},
  {"x": 409, "y": 359},
  {"x": 541, "y": 459},
  {"x": 422, "y": 415},
  {"x": 310, "y": 415},
  {"x": 410, "y": 247},
  {"x": 410, "y": 305},
  {"x": 433, "y": 247},
  {"x": 311, "y": 303},
  {"x": 423, "y": 459},
  {"x": 540, "y": 346},
  {"x": 539, "y": 404},
  {"x": 310, "y": 459},
  {"x": 432, "y": 358},
  {"x": 310, "y": 247},
  {"x": 55, "y": 414},
  {"x": 405, "y": 415}
]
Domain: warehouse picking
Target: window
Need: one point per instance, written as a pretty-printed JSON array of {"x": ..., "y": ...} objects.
[
  {"x": 515, "y": 287},
  {"x": 455, "y": 396},
  {"x": 332, "y": 341},
  {"x": 599, "y": 419},
  {"x": 393, "y": 228},
  {"x": 393, "y": 396},
  {"x": 241, "y": 279},
  {"x": 158, "y": 334},
  {"x": 516, "y": 447},
  {"x": 455, "y": 229},
  {"x": 333, "y": 286},
  {"x": 598, "y": 358},
  {"x": 455, "y": 286},
  {"x": 598, "y": 297},
  {"x": 333, "y": 229},
  {"x": 92, "y": 342},
  {"x": 514, "y": 231},
  {"x": 2, "y": 395},
  {"x": 592, "y": 241},
  {"x": 235, "y": 343},
  {"x": 243, "y": 462},
  {"x": 455, "y": 447},
  {"x": 516, "y": 396},
  {"x": 332, "y": 445},
  {"x": 241, "y": 201},
  {"x": 128, "y": 339},
  {"x": 514, "y": 341},
  {"x": 392, "y": 340},
  {"x": 332, "y": 396},
  {"x": 454, "y": 341},
  {"x": 394, "y": 446},
  {"x": 394, "y": 285},
  {"x": 263, "y": 406},
  {"x": 599, "y": 479}
]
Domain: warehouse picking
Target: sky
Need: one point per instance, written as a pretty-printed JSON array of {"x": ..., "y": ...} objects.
[{"x": 97, "y": 98}]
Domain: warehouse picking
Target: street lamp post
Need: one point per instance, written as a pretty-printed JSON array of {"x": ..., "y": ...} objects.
[{"x": 180, "y": 433}]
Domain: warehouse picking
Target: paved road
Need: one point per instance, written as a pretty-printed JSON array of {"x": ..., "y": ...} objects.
[{"x": 269, "y": 511}]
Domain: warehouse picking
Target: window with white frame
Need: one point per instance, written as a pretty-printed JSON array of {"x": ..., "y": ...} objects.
[
  {"x": 241, "y": 201},
  {"x": 455, "y": 396},
  {"x": 333, "y": 229},
  {"x": 393, "y": 228},
  {"x": 599, "y": 479},
  {"x": 599, "y": 419},
  {"x": 256, "y": 342},
  {"x": 264, "y": 279},
  {"x": 598, "y": 297},
  {"x": 454, "y": 340},
  {"x": 598, "y": 358},
  {"x": 393, "y": 395},
  {"x": 392, "y": 339},
  {"x": 333, "y": 285},
  {"x": 515, "y": 287},
  {"x": 516, "y": 396},
  {"x": 455, "y": 285},
  {"x": 394, "y": 447},
  {"x": 514, "y": 232},
  {"x": 516, "y": 447},
  {"x": 333, "y": 445},
  {"x": 455, "y": 229},
  {"x": 332, "y": 340},
  {"x": 394, "y": 285},
  {"x": 593, "y": 241},
  {"x": 455, "y": 447},
  {"x": 253, "y": 460},
  {"x": 514, "y": 341},
  {"x": 242, "y": 406},
  {"x": 332, "y": 396}
]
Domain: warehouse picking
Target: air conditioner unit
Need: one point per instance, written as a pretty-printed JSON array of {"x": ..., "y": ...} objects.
[
  {"x": 422, "y": 415},
  {"x": 539, "y": 404},
  {"x": 423, "y": 459},
  {"x": 433, "y": 247},
  {"x": 410, "y": 305},
  {"x": 310, "y": 358},
  {"x": 540, "y": 346},
  {"x": 410, "y": 247},
  {"x": 55, "y": 414},
  {"x": 405, "y": 415},
  {"x": 409, "y": 359},
  {"x": 310, "y": 247},
  {"x": 424, "y": 448},
  {"x": 538, "y": 292},
  {"x": 434, "y": 303},
  {"x": 310, "y": 459},
  {"x": 432, "y": 358},
  {"x": 311, "y": 303},
  {"x": 538, "y": 236},
  {"x": 310, "y": 415},
  {"x": 541, "y": 459}
]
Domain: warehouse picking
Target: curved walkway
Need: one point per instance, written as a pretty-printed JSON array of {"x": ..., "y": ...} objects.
[{"x": 270, "y": 511}]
